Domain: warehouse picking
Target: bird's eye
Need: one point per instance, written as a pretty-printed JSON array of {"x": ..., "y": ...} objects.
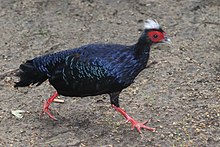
[{"x": 155, "y": 36}]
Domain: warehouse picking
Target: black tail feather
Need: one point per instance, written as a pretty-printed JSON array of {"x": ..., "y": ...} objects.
[{"x": 29, "y": 75}]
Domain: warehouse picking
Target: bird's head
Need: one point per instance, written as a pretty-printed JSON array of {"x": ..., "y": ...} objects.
[{"x": 153, "y": 33}]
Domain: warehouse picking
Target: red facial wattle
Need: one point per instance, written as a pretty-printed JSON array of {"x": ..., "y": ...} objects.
[{"x": 156, "y": 36}]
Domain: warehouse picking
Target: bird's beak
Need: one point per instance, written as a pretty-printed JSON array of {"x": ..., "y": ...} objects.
[{"x": 166, "y": 40}]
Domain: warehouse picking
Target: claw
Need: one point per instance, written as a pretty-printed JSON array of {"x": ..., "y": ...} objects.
[
  {"x": 47, "y": 104},
  {"x": 135, "y": 123},
  {"x": 138, "y": 126},
  {"x": 46, "y": 110}
]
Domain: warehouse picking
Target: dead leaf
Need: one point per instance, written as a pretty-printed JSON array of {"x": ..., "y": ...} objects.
[{"x": 17, "y": 113}]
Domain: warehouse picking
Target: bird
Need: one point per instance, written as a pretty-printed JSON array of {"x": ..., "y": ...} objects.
[{"x": 94, "y": 69}]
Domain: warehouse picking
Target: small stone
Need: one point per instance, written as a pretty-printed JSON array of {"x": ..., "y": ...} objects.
[
  {"x": 162, "y": 136},
  {"x": 161, "y": 127},
  {"x": 171, "y": 135},
  {"x": 7, "y": 79}
]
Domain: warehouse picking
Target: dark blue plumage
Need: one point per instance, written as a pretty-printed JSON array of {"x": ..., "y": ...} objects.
[
  {"x": 96, "y": 69},
  {"x": 93, "y": 69}
]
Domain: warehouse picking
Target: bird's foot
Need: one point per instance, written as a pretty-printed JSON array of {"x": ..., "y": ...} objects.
[
  {"x": 135, "y": 123},
  {"x": 47, "y": 104},
  {"x": 46, "y": 110},
  {"x": 138, "y": 126}
]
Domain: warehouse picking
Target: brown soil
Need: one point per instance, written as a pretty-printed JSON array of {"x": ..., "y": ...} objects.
[{"x": 180, "y": 93}]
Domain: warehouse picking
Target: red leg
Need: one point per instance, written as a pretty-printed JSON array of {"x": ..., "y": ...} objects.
[
  {"x": 134, "y": 122},
  {"x": 47, "y": 104}
]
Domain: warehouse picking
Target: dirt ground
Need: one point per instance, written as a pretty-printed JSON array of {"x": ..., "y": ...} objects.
[{"x": 180, "y": 93}]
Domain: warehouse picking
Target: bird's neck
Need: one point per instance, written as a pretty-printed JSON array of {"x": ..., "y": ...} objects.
[{"x": 142, "y": 48}]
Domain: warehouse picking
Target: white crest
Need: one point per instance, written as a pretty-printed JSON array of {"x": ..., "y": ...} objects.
[{"x": 151, "y": 24}]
